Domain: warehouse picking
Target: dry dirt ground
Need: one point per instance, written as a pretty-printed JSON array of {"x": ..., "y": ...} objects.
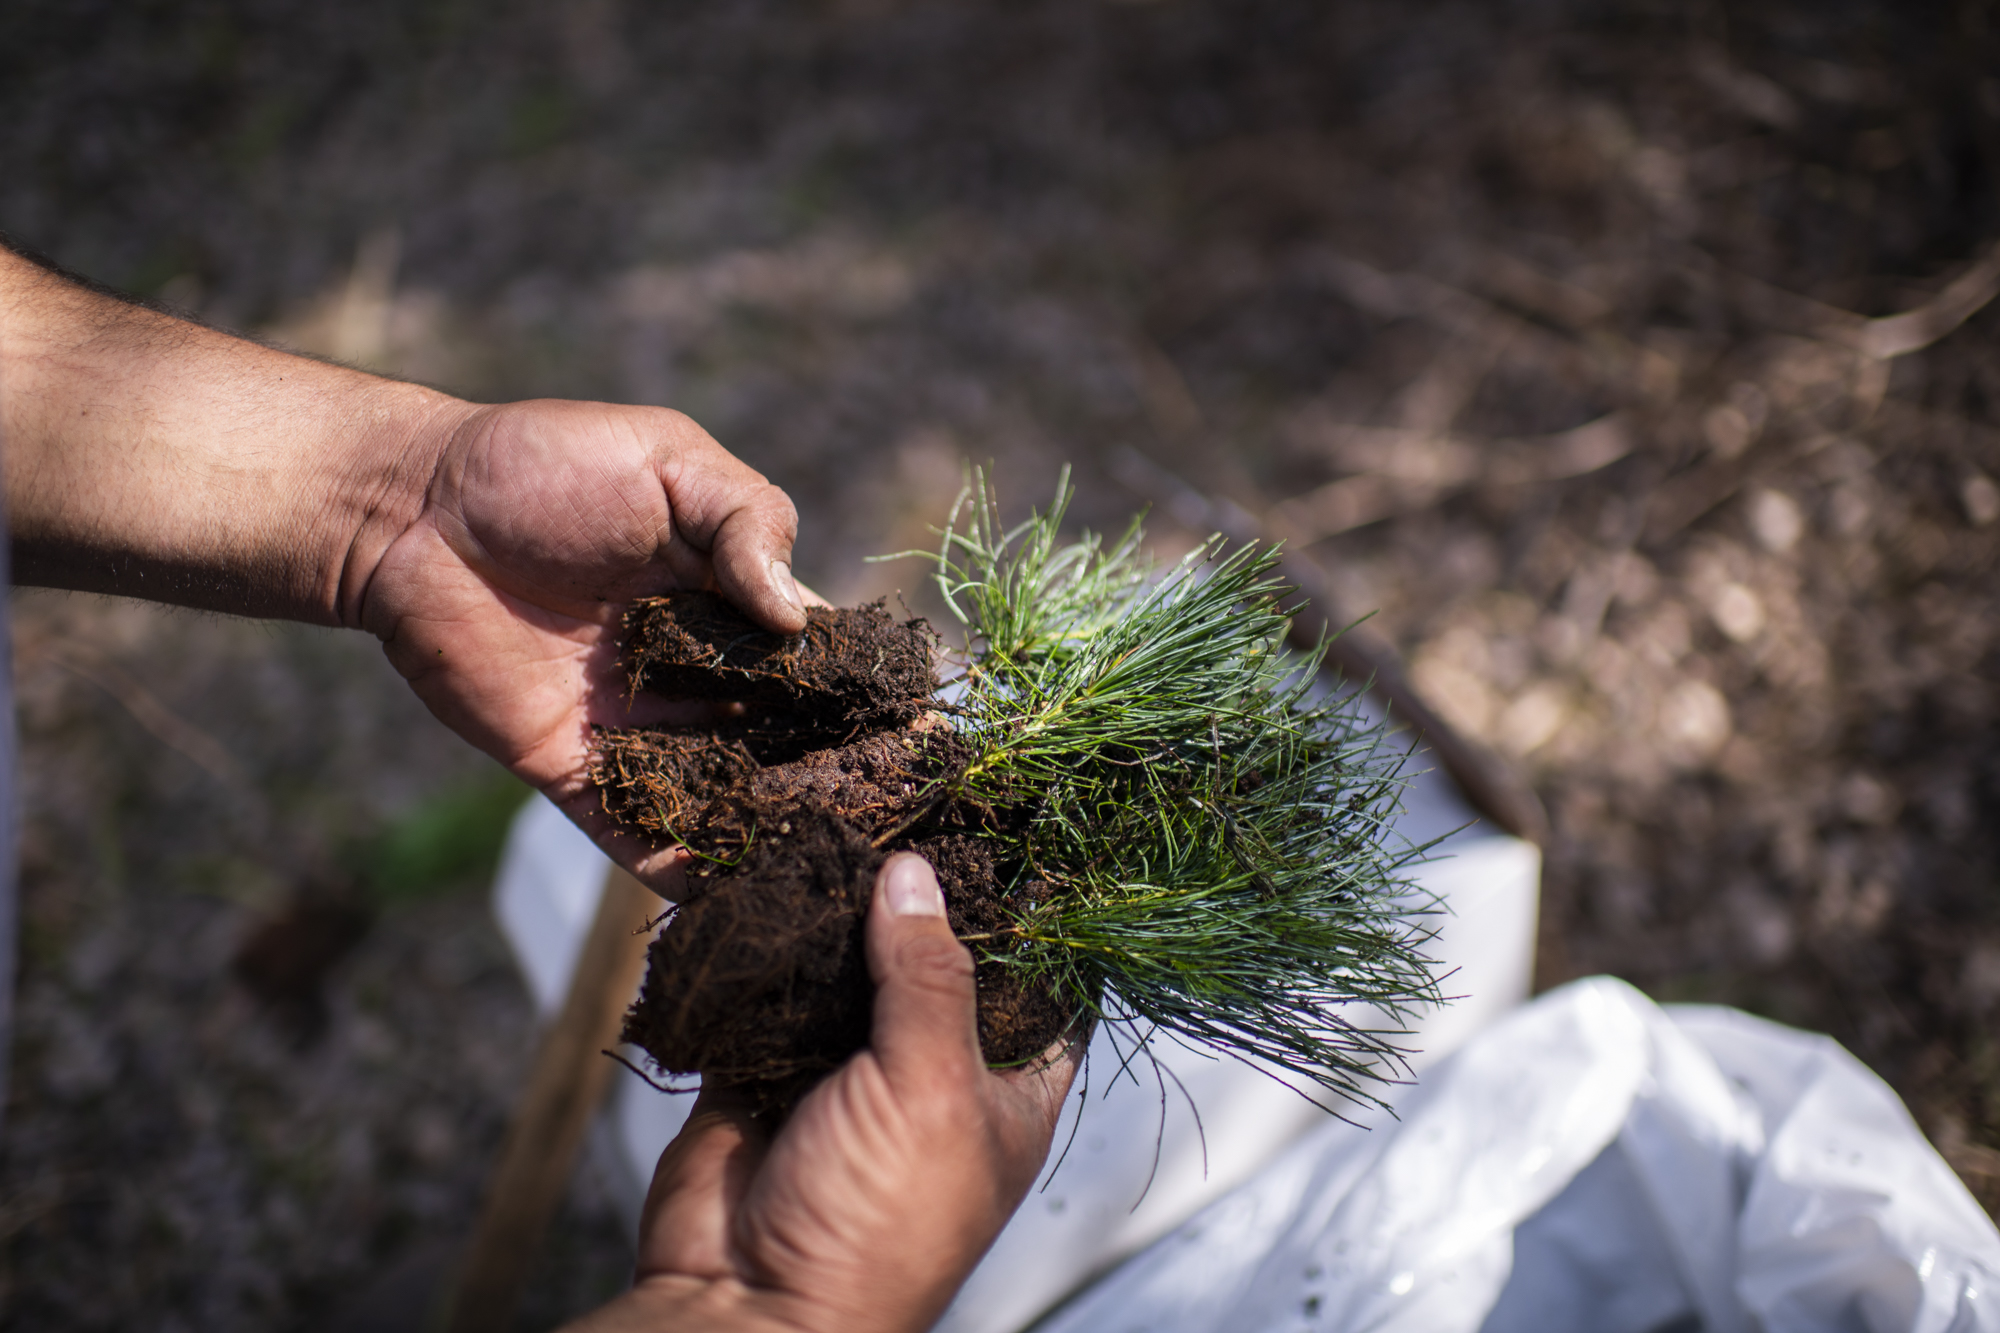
[{"x": 1555, "y": 330}]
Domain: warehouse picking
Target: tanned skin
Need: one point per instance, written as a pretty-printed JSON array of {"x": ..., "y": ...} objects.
[{"x": 491, "y": 548}]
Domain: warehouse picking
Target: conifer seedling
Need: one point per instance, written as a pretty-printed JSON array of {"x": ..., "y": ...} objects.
[{"x": 1144, "y": 811}]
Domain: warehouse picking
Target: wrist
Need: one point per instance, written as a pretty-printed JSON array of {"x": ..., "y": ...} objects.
[{"x": 376, "y": 488}]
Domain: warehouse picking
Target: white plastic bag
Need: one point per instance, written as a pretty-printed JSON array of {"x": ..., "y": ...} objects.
[{"x": 1591, "y": 1162}]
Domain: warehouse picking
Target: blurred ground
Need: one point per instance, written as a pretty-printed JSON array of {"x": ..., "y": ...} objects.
[{"x": 1545, "y": 326}]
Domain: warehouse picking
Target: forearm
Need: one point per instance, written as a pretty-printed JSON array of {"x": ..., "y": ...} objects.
[{"x": 152, "y": 457}]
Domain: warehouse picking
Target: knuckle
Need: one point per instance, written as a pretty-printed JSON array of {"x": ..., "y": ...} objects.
[
  {"x": 782, "y": 527},
  {"x": 937, "y": 963},
  {"x": 783, "y": 512},
  {"x": 679, "y": 427}
]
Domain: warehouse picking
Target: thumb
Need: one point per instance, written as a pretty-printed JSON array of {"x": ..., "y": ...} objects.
[
  {"x": 925, "y": 1017},
  {"x": 743, "y": 525}
]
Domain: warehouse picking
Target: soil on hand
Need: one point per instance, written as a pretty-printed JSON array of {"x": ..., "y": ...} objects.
[{"x": 760, "y": 980}]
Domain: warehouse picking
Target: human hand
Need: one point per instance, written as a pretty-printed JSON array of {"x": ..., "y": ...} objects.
[
  {"x": 888, "y": 1182},
  {"x": 500, "y": 601},
  {"x": 490, "y": 548}
]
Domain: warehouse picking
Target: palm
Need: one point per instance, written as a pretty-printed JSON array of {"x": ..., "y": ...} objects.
[{"x": 500, "y": 603}]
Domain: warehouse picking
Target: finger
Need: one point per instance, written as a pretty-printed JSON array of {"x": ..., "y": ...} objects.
[
  {"x": 661, "y": 869},
  {"x": 752, "y": 558},
  {"x": 925, "y": 1017},
  {"x": 697, "y": 1187},
  {"x": 1037, "y": 1090},
  {"x": 741, "y": 522},
  {"x": 808, "y": 596}
]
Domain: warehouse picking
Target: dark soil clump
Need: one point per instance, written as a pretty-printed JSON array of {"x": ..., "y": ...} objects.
[
  {"x": 857, "y": 666},
  {"x": 756, "y": 980},
  {"x": 760, "y": 980}
]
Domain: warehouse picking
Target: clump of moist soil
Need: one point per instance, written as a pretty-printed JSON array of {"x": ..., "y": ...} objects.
[{"x": 760, "y": 980}]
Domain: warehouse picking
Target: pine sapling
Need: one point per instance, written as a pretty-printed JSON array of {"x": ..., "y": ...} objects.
[{"x": 1145, "y": 812}]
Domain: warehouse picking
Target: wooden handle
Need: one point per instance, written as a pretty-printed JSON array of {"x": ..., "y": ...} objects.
[{"x": 564, "y": 1090}]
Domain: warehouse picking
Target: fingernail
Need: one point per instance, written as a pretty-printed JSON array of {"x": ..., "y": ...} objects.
[
  {"x": 911, "y": 888},
  {"x": 781, "y": 574}
]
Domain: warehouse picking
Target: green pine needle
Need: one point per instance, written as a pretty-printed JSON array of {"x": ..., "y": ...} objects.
[{"x": 1214, "y": 828}]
